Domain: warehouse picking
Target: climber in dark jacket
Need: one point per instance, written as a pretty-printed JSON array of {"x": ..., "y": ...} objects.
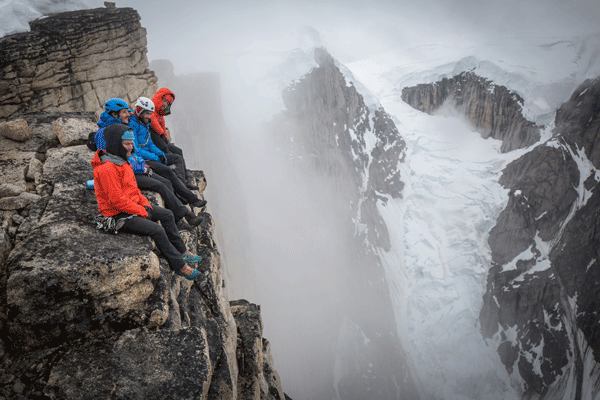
[
  {"x": 117, "y": 112},
  {"x": 120, "y": 198}
]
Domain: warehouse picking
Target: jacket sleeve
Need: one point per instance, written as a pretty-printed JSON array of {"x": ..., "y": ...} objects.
[
  {"x": 155, "y": 150},
  {"x": 146, "y": 151},
  {"x": 99, "y": 139},
  {"x": 137, "y": 164},
  {"x": 148, "y": 155},
  {"x": 156, "y": 124},
  {"x": 119, "y": 201}
]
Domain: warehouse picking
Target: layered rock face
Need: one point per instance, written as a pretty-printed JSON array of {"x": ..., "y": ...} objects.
[
  {"x": 541, "y": 304},
  {"x": 75, "y": 62},
  {"x": 328, "y": 128},
  {"x": 492, "y": 110}
]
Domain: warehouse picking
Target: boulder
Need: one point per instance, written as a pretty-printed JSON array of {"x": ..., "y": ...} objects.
[
  {"x": 257, "y": 379},
  {"x": 10, "y": 190},
  {"x": 75, "y": 61},
  {"x": 17, "y": 130},
  {"x": 135, "y": 365},
  {"x": 72, "y": 131},
  {"x": 35, "y": 170},
  {"x": 18, "y": 202}
]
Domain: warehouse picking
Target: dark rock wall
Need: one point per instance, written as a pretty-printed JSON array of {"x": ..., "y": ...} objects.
[
  {"x": 75, "y": 61},
  {"x": 579, "y": 119},
  {"x": 549, "y": 298},
  {"x": 329, "y": 125},
  {"x": 492, "y": 110}
]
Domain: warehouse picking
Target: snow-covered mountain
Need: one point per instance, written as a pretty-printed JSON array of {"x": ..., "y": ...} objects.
[
  {"x": 433, "y": 212},
  {"x": 453, "y": 198}
]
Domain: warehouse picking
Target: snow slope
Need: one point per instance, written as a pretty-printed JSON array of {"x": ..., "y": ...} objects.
[
  {"x": 439, "y": 259},
  {"x": 16, "y": 14}
]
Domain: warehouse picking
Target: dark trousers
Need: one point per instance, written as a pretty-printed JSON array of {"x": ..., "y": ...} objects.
[
  {"x": 177, "y": 161},
  {"x": 163, "y": 186},
  {"x": 176, "y": 150},
  {"x": 166, "y": 172},
  {"x": 159, "y": 141},
  {"x": 169, "y": 149},
  {"x": 166, "y": 237}
]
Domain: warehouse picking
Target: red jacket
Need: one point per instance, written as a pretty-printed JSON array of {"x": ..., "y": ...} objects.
[
  {"x": 158, "y": 116},
  {"x": 116, "y": 187}
]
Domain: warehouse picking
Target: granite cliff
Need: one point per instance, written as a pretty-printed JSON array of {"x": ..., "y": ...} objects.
[
  {"x": 328, "y": 128},
  {"x": 543, "y": 283},
  {"x": 84, "y": 314},
  {"x": 492, "y": 109}
]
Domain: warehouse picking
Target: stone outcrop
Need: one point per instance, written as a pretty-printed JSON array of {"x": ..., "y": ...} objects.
[
  {"x": 540, "y": 307},
  {"x": 492, "y": 110},
  {"x": 328, "y": 128},
  {"x": 74, "y": 61},
  {"x": 83, "y": 313},
  {"x": 17, "y": 130},
  {"x": 578, "y": 119},
  {"x": 86, "y": 314}
]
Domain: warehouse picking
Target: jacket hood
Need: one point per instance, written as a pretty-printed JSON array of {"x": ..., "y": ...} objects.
[
  {"x": 157, "y": 100},
  {"x": 102, "y": 156},
  {"x": 106, "y": 119},
  {"x": 112, "y": 135}
]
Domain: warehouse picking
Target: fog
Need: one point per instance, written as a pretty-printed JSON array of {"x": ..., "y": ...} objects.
[{"x": 281, "y": 231}]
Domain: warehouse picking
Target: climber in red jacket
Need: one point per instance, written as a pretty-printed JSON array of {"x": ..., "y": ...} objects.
[
  {"x": 163, "y": 99},
  {"x": 123, "y": 205}
]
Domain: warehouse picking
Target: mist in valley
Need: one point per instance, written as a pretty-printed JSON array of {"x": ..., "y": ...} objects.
[{"x": 282, "y": 230}]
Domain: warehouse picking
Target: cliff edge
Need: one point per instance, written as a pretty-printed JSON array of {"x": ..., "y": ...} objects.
[{"x": 83, "y": 313}]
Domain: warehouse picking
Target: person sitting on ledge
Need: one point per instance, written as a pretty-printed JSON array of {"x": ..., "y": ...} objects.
[
  {"x": 119, "y": 197},
  {"x": 156, "y": 159},
  {"x": 163, "y": 99},
  {"x": 117, "y": 112}
]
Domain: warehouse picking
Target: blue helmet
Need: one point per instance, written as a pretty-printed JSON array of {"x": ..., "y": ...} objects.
[{"x": 115, "y": 104}]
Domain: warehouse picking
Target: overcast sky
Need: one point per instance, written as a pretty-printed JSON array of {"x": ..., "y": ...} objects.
[{"x": 194, "y": 35}]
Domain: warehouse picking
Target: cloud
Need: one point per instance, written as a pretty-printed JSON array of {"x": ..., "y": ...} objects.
[{"x": 197, "y": 35}]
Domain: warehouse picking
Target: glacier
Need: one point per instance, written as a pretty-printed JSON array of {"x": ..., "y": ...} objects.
[{"x": 438, "y": 264}]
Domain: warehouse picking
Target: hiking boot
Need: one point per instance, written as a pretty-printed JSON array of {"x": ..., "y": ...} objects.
[
  {"x": 192, "y": 219},
  {"x": 198, "y": 203},
  {"x": 188, "y": 273},
  {"x": 182, "y": 226},
  {"x": 191, "y": 186},
  {"x": 190, "y": 257}
]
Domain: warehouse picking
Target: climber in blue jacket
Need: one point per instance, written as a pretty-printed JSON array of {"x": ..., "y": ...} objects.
[{"x": 154, "y": 157}]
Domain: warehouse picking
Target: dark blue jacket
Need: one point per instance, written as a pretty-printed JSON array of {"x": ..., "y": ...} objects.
[{"x": 137, "y": 163}]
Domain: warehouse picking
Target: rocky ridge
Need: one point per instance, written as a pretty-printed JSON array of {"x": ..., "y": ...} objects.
[
  {"x": 74, "y": 61},
  {"x": 85, "y": 314},
  {"x": 541, "y": 307},
  {"x": 492, "y": 110}
]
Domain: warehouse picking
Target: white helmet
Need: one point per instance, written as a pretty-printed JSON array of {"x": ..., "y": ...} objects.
[{"x": 142, "y": 105}]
